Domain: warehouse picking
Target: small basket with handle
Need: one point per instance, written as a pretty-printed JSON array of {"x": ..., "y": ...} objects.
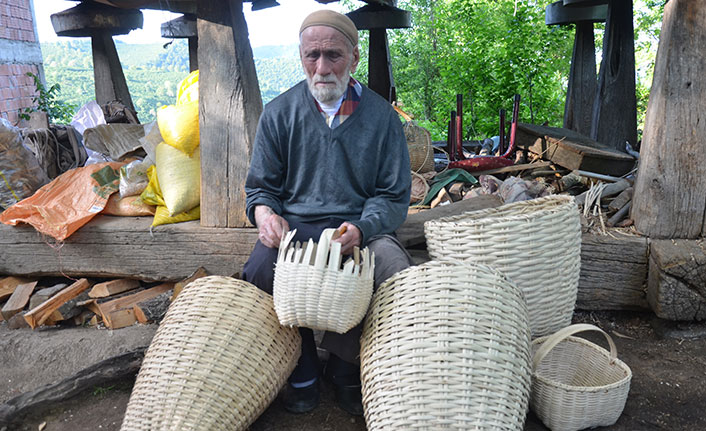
[{"x": 577, "y": 384}]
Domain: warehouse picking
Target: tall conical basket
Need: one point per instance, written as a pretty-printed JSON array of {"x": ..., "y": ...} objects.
[
  {"x": 217, "y": 361},
  {"x": 446, "y": 346},
  {"x": 314, "y": 289},
  {"x": 536, "y": 243}
]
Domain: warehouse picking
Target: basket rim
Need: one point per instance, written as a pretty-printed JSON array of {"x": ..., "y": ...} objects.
[
  {"x": 496, "y": 215},
  {"x": 599, "y": 350}
]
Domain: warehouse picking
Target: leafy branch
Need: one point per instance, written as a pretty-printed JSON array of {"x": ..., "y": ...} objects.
[{"x": 47, "y": 101}]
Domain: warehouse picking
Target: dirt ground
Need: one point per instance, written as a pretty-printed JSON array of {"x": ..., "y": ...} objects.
[{"x": 668, "y": 361}]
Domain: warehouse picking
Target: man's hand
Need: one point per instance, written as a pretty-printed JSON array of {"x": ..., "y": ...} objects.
[
  {"x": 270, "y": 226},
  {"x": 350, "y": 238}
]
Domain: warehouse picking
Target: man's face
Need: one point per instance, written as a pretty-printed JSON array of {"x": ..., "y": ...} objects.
[{"x": 328, "y": 59}]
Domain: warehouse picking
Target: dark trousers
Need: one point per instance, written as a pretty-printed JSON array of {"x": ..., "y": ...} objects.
[{"x": 343, "y": 349}]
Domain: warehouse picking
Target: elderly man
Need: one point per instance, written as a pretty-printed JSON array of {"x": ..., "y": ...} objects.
[{"x": 328, "y": 153}]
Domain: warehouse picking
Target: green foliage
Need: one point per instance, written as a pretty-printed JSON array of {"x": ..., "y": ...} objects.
[
  {"x": 47, "y": 101},
  {"x": 486, "y": 50}
]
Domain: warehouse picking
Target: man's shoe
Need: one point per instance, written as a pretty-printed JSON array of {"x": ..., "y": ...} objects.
[
  {"x": 301, "y": 400},
  {"x": 349, "y": 398}
]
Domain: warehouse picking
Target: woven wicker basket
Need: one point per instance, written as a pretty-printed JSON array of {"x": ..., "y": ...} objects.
[
  {"x": 446, "y": 346},
  {"x": 421, "y": 152},
  {"x": 216, "y": 362},
  {"x": 313, "y": 291},
  {"x": 536, "y": 243},
  {"x": 575, "y": 383}
]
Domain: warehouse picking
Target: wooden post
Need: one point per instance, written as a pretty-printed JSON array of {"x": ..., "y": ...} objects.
[
  {"x": 615, "y": 106},
  {"x": 670, "y": 191},
  {"x": 380, "y": 78},
  {"x": 184, "y": 27},
  {"x": 229, "y": 108},
  {"x": 582, "y": 81},
  {"x": 108, "y": 74}
]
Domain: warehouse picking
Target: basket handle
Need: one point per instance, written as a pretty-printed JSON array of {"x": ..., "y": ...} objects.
[{"x": 562, "y": 334}]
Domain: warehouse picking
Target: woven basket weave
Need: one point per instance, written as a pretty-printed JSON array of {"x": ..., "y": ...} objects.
[
  {"x": 421, "y": 152},
  {"x": 536, "y": 243},
  {"x": 446, "y": 346},
  {"x": 312, "y": 290},
  {"x": 216, "y": 362},
  {"x": 575, "y": 383}
]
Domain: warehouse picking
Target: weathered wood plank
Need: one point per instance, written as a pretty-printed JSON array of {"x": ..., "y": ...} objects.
[
  {"x": 38, "y": 315},
  {"x": 670, "y": 191},
  {"x": 582, "y": 80},
  {"x": 229, "y": 108},
  {"x": 18, "y": 300},
  {"x": 9, "y": 284},
  {"x": 676, "y": 288},
  {"x": 124, "y": 247},
  {"x": 613, "y": 273},
  {"x": 112, "y": 287}
]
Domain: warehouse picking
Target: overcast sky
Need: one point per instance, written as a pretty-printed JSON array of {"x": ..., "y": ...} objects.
[{"x": 274, "y": 26}]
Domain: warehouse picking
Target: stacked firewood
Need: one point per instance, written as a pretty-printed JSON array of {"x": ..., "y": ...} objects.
[{"x": 113, "y": 304}]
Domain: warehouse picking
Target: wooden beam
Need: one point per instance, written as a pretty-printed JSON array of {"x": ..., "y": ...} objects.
[
  {"x": 38, "y": 315},
  {"x": 230, "y": 106},
  {"x": 613, "y": 273},
  {"x": 513, "y": 168},
  {"x": 380, "y": 78},
  {"x": 18, "y": 300},
  {"x": 123, "y": 247},
  {"x": 615, "y": 107},
  {"x": 670, "y": 190},
  {"x": 582, "y": 81},
  {"x": 109, "y": 80}
]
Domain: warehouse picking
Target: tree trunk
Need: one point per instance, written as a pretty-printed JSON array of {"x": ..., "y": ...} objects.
[{"x": 670, "y": 191}]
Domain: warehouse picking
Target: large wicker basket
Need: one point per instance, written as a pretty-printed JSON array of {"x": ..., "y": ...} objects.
[
  {"x": 314, "y": 289},
  {"x": 536, "y": 243},
  {"x": 216, "y": 362},
  {"x": 446, "y": 346},
  {"x": 577, "y": 384},
  {"x": 421, "y": 151}
]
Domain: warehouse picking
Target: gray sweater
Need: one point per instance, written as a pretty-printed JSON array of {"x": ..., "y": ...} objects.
[{"x": 306, "y": 171}]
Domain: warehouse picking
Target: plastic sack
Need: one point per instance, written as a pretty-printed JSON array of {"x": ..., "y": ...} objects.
[
  {"x": 89, "y": 115},
  {"x": 150, "y": 141},
  {"x": 188, "y": 90},
  {"x": 114, "y": 140},
  {"x": 152, "y": 195},
  {"x": 179, "y": 178},
  {"x": 133, "y": 178},
  {"x": 20, "y": 173},
  {"x": 130, "y": 206},
  {"x": 71, "y": 200},
  {"x": 179, "y": 125}
]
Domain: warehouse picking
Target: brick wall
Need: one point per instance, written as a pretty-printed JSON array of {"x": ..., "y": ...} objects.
[{"x": 19, "y": 54}]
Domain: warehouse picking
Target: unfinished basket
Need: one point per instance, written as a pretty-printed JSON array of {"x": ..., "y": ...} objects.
[
  {"x": 312, "y": 290},
  {"x": 217, "y": 360},
  {"x": 446, "y": 346},
  {"x": 577, "y": 384},
  {"x": 536, "y": 243}
]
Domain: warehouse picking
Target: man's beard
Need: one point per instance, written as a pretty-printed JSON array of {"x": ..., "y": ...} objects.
[{"x": 328, "y": 94}]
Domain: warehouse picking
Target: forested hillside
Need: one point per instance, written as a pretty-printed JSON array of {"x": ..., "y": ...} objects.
[{"x": 153, "y": 71}]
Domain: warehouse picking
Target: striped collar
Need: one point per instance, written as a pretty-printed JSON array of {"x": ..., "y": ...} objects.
[{"x": 351, "y": 98}]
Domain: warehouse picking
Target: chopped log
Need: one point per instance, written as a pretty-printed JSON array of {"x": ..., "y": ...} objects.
[
  {"x": 17, "y": 321},
  {"x": 43, "y": 294},
  {"x": 613, "y": 273},
  {"x": 152, "y": 310},
  {"x": 669, "y": 197},
  {"x": 8, "y": 285},
  {"x": 229, "y": 107},
  {"x": 18, "y": 300},
  {"x": 38, "y": 315},
  {"x": 456, "y": 191},
  {"x": 442, "y": 198},
  {"x": 573, "y": 150},
  {"x": 412, "y": 230},
  {"x": 200, "y": 272},
  {"x": 107, "y": 371},
  {"x": 611, "y": 189},
  {"x": 70, "y": 308},
  {"x": 119, "y": 313},
  {"x": 112, "y": 287},
  {"x": 623, "y": 198},
  {"x": 676, "y": 288}
]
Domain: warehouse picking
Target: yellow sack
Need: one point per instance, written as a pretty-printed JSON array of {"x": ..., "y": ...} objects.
[
  {"x": 161, "y": 216},
  {"x": 179, "y": 125},
  {"x": 152, "y": 195},
  {"x": 188, "y": 90},
  {"x": 179, "y": 178}
]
